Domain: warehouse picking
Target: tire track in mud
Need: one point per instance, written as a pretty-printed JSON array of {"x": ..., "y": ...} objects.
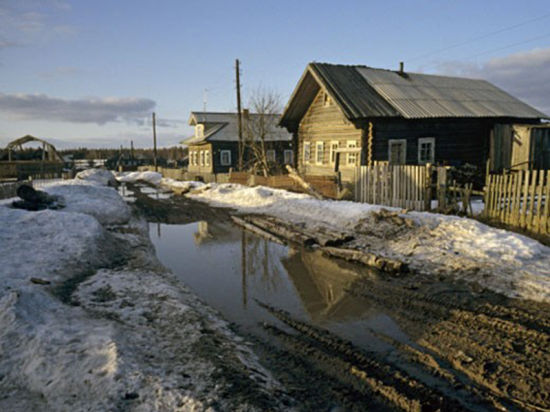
[
  {"x": 500, "y": 345},
  {"x": 364, "y": 372}
]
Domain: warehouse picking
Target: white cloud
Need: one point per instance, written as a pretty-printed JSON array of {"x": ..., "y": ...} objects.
[
  {"x": 21, "y": 23},
  {"x": 87, "y": 110},
  {"x": 525, "y": 75}
]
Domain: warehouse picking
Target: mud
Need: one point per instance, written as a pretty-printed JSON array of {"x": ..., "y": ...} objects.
[{"x": 466, "y": 348}]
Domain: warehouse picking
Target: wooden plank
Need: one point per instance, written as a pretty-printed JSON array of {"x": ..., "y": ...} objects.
[
  {"x": 491, "y": 196},
  {"x": 508, "y": 200},
  {"x": 514, "y": 196},
  {"x": 546, "y": 213},
  {"x": 525, "y": 195},
  {"x": 532, "y": 187},
  {"x": 539, "y": 192}
]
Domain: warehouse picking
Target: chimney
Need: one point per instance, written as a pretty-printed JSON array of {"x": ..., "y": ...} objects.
[
  {"x": 245, "y": 113},
  {"x": 401, "y": 67}
]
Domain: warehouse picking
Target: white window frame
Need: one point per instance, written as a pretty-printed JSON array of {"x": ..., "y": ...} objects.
[
  {"x": 201, "y": 161},
  {"x": 334, "y": 146},
  {"x": 288, "y": 156},
  {"x": 319, "y": 149},
  {"x": 397, "y": 141},
  {"x": 194, "y": 158},
  {"x": 351, "y": 144},
  {"x": 424, "y": 140},
  {"x": 222, "y": 153},
  {"x": 207, "y": 157},
  {"x": 270, "y": 155},
  {"x": 307, "y": 152}
]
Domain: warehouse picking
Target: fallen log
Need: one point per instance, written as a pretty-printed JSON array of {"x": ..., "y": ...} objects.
[
  {"x": 293, "y": 174},
  {"x": 256, "y": 230},
  {"x": 327, "y": 237},
  {"x": 281, "y": 229},
  {"x": 368, "y": 259}
]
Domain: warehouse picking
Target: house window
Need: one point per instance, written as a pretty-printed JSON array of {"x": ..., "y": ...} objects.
[
  {"x": 207, "y": 157},
  {"x": 397, "y": 151},
  {"x": 194, "y": 158},
  {"x": 320, "y": 152},
  {"x": 288, "y": 157},
  {"x": 352, "y": 157},
  {"x": 307, "y": 152},
  {"x": 270, "y": 155},
  {"x": 426, "y": 150},
  {"x": 333, "y": 148},
  {"x": 202, "y": 158},
  {"x": 225, "y": 157},
  {"x": 199, "y": 130}
]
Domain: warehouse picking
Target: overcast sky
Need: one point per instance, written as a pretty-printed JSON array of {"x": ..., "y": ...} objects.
[{"x": 89, "y": 73}]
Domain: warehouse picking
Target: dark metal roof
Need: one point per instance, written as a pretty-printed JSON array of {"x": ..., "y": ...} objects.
[{"x": 363, "y": 92}]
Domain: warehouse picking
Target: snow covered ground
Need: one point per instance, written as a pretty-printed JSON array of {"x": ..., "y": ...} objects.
[
  {"x": 89, "y": 319},
  {"x": 503, "y": 261}
]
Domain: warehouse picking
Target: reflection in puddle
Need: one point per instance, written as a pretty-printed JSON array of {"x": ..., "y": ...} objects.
[
  {"x": 127, "y": 194},
  {"x": 230, "y": 269}
]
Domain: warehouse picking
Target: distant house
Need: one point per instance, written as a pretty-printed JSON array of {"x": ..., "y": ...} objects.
[
  {"x": 214, "y": 146},
  {"x": 370, "y": 115}
]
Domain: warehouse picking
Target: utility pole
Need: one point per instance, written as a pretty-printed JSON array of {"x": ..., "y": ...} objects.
[
  {"x": 239, "y": 119},
  {"x": 155, "y": 143}
]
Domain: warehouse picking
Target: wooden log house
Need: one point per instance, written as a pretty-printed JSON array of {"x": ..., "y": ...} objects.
[
  {"x": 374, "y": 115},
  {"x": 214, "y": 148}
]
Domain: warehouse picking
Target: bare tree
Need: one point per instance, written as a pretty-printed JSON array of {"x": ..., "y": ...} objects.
[{"x": 261, "y": 127}]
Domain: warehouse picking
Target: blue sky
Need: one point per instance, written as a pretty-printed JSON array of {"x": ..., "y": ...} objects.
[{"x": 89, "y": 73}]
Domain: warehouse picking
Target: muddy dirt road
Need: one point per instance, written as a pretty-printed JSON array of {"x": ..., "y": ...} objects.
[{"x": 459, "y": 346}]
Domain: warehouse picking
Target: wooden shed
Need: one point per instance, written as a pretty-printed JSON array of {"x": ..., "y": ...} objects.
[
  {"x": 520, "y": 147},
  {"x": 370, "y": 115}
]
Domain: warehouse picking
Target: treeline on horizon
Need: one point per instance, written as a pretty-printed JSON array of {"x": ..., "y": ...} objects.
[{"x": 175, "y": 153}]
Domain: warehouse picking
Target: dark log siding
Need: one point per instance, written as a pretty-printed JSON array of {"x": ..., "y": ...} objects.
[
  {"x": 324, "y": 123},
  {"x": 215, "y": 149},
  {"x": 457, "y": 141}
]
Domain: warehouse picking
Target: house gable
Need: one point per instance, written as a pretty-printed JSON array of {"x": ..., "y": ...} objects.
[{"x": 324, "y": 128}]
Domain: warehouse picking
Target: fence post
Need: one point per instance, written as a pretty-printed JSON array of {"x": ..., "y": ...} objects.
[
  {"x": 442, "y": 187},
  {"x": 428, "y": 188}
]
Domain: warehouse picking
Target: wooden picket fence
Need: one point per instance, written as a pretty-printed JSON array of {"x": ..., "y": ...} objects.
[
  {"x": 408, "y": 187},
  {"x": 520, "y": 199}
]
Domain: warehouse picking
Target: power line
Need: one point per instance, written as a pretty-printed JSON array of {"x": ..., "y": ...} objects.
[{"x": 484, "y": 36}]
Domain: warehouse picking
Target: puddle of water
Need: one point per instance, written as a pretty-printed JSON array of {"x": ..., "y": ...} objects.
[
  {"x": 230, "y": 268},
  {"x": 127, "y": 194},
  {"x": 155, "y": 192}
]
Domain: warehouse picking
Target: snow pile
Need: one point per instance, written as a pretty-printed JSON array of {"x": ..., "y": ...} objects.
[
  {"x": 153, "y": 178},
  {"x": 103, "y": 203},
  {"x": 100, "y": 176},
  {"x": 138, "y": 339},
  {"x": 47, "y": 244},
  {"x": 502, "y": 261},
  {"x": 179, "y": 186},
  {"x": 287, "y": 205}
]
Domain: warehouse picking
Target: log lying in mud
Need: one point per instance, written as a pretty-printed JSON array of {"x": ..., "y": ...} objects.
[
  {"x": 368, "y": 259},
  {"x": 282, "y": 230},
  {"x": 256, "y": 230}
]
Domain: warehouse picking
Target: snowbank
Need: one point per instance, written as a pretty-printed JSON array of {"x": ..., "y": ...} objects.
[
  {"x": 137, "y": 339},
  {"x": 503, "y": 261},
  {"x": 103, "y": 203},
  {"x": 180, "y": 186},
  {"x": 153, "y": 178},
  {"x": 100, "y": 176}
]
